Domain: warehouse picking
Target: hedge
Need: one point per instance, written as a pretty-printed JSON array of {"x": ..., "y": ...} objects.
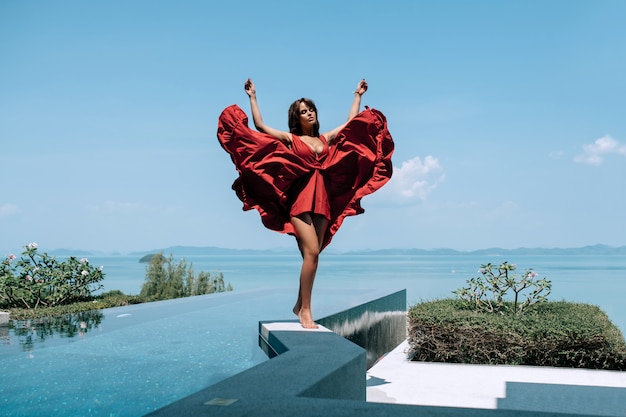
[{"x": 562, "y": 334}]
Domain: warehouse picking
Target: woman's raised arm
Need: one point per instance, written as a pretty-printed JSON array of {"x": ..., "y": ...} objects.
[
  {"x": 361, "y": 88},
  {"x": 258, "y": 119}
]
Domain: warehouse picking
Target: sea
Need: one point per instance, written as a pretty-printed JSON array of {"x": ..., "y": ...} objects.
[{"x": 598, "y": 279}]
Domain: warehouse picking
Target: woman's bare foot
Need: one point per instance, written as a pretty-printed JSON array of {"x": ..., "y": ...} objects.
[
  {"x": 306, "y": 319},
  {"x": 296, "y": 308}
]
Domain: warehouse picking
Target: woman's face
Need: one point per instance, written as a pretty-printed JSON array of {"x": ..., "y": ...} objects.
[{"x": 308, "y": 117}]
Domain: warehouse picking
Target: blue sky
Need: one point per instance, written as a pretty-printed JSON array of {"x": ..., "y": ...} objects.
[{"x": 508, "y": 118}]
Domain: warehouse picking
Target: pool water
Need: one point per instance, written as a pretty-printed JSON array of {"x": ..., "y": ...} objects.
[{"x": 138, "y": 358}]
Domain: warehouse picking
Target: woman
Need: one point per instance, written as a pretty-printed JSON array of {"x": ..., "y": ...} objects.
[{"x": 304, "y": 183}]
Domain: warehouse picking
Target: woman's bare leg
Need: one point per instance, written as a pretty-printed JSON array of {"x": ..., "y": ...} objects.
[
  {"x": 309, "y": 231},
  {"x": 296, "y": 308}
]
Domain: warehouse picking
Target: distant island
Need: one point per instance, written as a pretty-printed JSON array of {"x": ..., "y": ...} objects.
[
  {"x": 147, "y": 258},
  {"x": 214, "y": 250},
  {"x": 585, "y": 250}
]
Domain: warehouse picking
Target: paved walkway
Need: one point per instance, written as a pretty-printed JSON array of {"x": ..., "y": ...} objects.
[{"x": 394, "y": 379}]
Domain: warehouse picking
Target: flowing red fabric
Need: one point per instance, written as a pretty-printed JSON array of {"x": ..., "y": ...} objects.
[{"x": 281, "y": 182}]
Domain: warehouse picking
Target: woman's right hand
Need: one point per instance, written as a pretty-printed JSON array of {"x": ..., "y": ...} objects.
[{"x": 249, "y": 88}]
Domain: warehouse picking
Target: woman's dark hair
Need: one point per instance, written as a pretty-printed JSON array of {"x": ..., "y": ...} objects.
[{"x": 294, "y": 117}]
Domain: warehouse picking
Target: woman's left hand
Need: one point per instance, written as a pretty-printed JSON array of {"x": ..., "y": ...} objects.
[{"x": 361, "y": 87}]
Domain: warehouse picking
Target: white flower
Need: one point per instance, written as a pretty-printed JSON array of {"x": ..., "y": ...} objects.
[
  {"x": 84, "y": 260},
  {"x": 11, "y": 257},
  {"x": 32, "y": 245},
  {"x": 84, "y": 273}
]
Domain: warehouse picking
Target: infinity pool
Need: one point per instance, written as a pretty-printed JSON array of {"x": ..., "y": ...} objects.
[{"x": 139, "y": 358}]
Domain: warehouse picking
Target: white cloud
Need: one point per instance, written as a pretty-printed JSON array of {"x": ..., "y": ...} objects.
[
  {"x": 8, "y": 209},
  {"x": 595, "y": 153},
  {"x": 414, "y": 180}
]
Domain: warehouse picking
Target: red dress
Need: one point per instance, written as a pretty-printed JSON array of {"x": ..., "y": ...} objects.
[{"x": 282, "y": 182}]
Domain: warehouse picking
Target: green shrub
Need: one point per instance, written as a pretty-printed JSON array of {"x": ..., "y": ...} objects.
[
  {"x": 489, "y": 291},
  {"x": 116, "y": 298},
  {"x": 166, "y": 279},
  {"x": 158, "y": 278},
  {"x": 38, "y": 280},
  {"x": 550, "y": 334}
]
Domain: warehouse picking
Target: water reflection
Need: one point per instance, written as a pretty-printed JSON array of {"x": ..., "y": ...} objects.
[{"x": 35, "y": 333}]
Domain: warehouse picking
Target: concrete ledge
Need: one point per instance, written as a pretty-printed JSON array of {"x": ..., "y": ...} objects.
[
  {"x": 4, "y": 318},
  {"x": 327, "y": 366},
  {"x": 271, "y": 344}
]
